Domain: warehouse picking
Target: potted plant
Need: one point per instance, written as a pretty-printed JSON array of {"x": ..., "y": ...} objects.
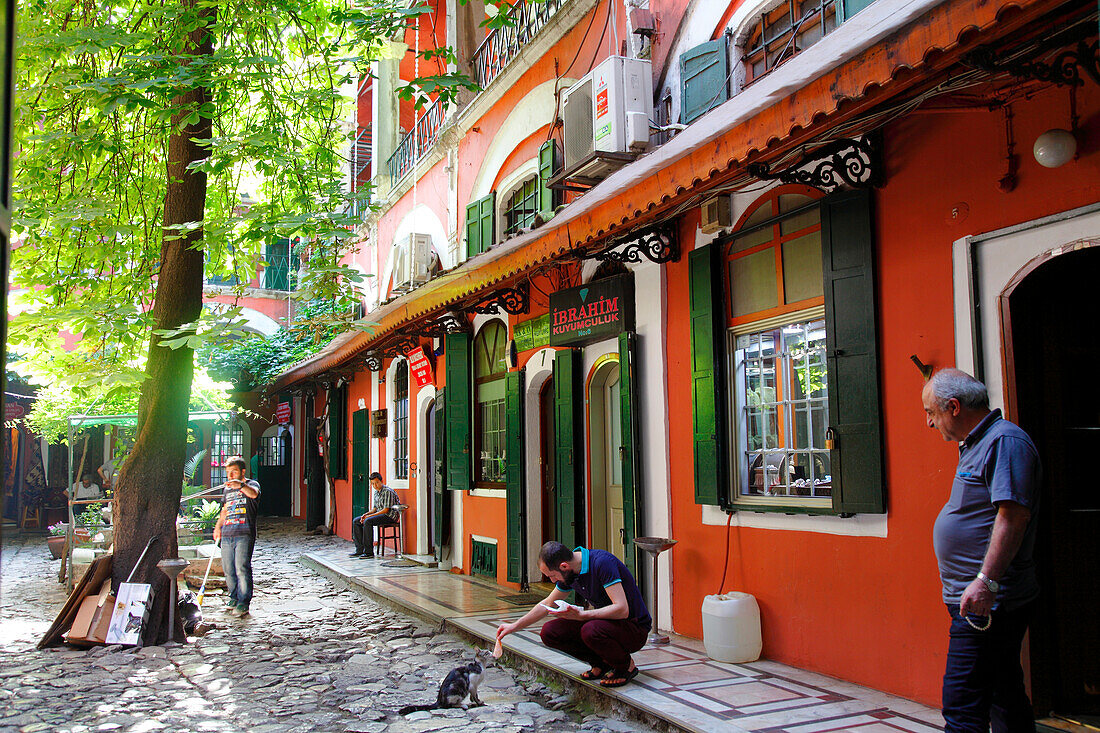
[
  {"x": 207, "y": 516},
  {"x": 88, "y": 522},
  {"x": 56, "y": 541}
]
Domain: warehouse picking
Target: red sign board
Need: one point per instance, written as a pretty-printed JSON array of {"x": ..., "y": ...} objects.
[
  {"x": 282, "y": 413},
  {"x": 13, "y": 411},
  {"x": 420, "y": 367}
]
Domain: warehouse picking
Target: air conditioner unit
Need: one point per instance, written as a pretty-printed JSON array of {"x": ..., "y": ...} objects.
[
  {"x": 607, "y": 111},
  {"x": 716, "y": 214},
  {"x": 412, "y": 257}
]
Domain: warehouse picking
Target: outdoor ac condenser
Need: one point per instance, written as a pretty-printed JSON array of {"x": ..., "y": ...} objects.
[
  {"x": 608, "y": 111},
  {"x": 412, "y": 257}
]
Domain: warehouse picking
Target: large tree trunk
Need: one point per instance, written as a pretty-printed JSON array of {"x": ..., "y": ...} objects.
[{"x": 150, "y": 481}]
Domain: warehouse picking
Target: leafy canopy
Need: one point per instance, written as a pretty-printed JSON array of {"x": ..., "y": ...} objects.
[{"x": 94, "y": 99}]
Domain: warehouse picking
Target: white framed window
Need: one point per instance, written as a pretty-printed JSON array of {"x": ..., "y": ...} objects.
[
  {"x": 781, "y": 412},
  {"x": 401, "y": 420}
]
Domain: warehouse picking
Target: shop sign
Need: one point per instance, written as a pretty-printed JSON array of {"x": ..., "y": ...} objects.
[
  {"x": 533, "y": 333},
  {"x": 282, "y": 413},
  {"x": 13, "y": 411},
  {"x": 420, "y": 367},
  {"x": 599, "y": 310}
]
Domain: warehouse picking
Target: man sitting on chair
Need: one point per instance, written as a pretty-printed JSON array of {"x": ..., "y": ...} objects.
[{"x": 382, "y": 501}]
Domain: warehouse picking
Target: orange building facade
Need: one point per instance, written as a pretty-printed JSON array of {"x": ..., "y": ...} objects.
[{"x": 709, "y": 320}]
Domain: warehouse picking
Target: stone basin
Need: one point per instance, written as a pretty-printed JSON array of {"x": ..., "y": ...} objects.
[{"x": 654, "y": 545}]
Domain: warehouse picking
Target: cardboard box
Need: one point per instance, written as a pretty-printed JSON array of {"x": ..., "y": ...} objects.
[
  {"x": 130, "y": 614},
  {"x": 93, "y": 609}
]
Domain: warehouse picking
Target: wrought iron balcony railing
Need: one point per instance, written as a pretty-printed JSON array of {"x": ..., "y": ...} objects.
[
  {"x": 503, "y": 44},
  {"x": 413, "y": 146}
]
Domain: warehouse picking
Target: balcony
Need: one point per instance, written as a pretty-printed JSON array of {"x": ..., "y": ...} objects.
[
  {"x": 413, "y": 146},
  {"x": 503, "y": 44}
]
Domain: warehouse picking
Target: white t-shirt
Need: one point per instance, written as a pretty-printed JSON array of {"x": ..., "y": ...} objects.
[{"x": 91, "y": 491}]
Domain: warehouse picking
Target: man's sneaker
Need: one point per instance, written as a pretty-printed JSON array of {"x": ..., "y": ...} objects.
[
  {"x": 354, "y": 554},
  {"x": 233, "y": 611},
  {"x": 242, "y": 611}
]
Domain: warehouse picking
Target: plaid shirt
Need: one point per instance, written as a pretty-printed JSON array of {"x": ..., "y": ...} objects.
[{"x": 385, "y": 498}]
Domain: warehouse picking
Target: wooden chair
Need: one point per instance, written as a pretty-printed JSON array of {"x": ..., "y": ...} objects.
[
  {"x": 392, "y": 532},
  {"x": 31, "y": 513}
]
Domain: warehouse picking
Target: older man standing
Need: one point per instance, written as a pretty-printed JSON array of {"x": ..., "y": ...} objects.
[{"x": 984, "y": 538}]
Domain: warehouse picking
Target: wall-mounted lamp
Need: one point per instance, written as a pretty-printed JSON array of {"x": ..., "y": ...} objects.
[{"x": 1054, "y": 148}]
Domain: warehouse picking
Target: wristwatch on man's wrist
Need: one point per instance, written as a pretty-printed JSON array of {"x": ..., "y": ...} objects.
[{"x": 993, "y": 585}]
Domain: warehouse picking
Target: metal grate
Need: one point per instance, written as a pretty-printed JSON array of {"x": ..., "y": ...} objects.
[
  {"x": 526, "y": 19},
  {"x": 483, "y": 558}
]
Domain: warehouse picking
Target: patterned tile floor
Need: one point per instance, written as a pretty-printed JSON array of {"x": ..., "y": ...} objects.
[{"x": 678, "y": 682}]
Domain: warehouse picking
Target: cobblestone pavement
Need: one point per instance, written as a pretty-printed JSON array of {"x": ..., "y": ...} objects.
[{"x": 312, "y": 657}]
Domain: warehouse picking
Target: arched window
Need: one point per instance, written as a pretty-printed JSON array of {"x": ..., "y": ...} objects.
[
  {"x": 522, "y": 205},
  {"x": 776, "y": 321},
  {"x": 489, "y": 370},
  {"x": 401, "y": 420}
]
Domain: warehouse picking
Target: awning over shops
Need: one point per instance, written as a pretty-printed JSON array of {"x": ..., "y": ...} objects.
[{"x": 891, "y": 48}]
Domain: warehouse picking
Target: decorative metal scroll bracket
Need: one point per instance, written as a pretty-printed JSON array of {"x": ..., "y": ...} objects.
[
  {"x": 1064, "y": 70},
  {"x": 447, "y": 323},
  {"x": 842, "y": 162},
  {"x": 373, "y": 361},
  {"x": 515, "y": 301},
  {"x": 400, "y": 347},
  {"x": 658, "y": 244}
]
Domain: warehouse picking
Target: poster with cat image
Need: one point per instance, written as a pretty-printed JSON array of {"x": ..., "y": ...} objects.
[{"x": 130, "y": 614}]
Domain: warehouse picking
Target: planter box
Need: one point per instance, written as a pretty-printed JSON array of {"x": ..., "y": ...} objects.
[{"x": 56, "y": 545}]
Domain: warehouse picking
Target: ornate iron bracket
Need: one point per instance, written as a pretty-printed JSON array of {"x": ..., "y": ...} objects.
[
  {"x": 658, "y": 244},
  {"x": 1064, "y": 70},
  {"x": 855, "y": 163},
  {"x": 447, "y": 323},
  {"x": 515, "y": 300},
  {"x": 401, "y": 346},
  {"x": 373, "y": 361}
]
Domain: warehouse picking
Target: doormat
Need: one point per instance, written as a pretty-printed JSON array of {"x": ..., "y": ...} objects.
[
  {"x": 401, "y": 563},
  {"x": 523, "y": 599}
]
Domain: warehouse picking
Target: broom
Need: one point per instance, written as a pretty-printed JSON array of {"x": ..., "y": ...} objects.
[{"x": 202, "y": 588}]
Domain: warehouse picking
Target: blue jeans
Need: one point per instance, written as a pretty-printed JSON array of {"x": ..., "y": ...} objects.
[
  {"x": 237, "y": 566},
  {"x": 983, "y": 681}
]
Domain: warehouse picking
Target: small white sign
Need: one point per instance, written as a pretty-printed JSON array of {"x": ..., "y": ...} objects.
[{"x": 130, "y": 614}]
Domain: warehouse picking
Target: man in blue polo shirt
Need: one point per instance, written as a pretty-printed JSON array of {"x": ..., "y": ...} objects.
[
  {"x": 604, "y": 635},
  {"x": 984, "y": 538}
]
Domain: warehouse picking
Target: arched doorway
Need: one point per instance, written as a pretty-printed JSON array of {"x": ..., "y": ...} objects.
[
  {"x": 1049, "y": 312},
  {"x": 606, "y": 467}
]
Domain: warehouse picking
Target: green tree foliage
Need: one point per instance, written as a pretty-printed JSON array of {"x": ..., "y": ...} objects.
[
  {"x": 254, "y": 362},
  {"x": 95, "y": 90}
]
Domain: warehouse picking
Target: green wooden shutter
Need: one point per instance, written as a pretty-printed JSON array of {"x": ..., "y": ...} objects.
[
  {"x": 513, "y": 477},
  {"x": 567, "y": 453},
  {"x": 473, "y": 229},
  {"x": 549, "y": 199},
  {"x": 488, "y": 221},
  {"x": 360, "y": 460},
  {"x": 704, "y": 82},
  {"x": 440, "y": 470},
  {"x": 708, "y": 428},
  {"x": 459, "y": 416},
  {"x": 847, "y": 253},
  {"x": 277, "y": 271},
  {"x": 338, "y": 433},
  {"x": 632, "y": 495}
]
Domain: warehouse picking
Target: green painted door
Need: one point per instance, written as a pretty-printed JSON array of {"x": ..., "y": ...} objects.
[
  {"x": 440, "y": 472},
  {"x": 513, "y": 478},
  {"x": 360, "y": 460},
  {"x": 459, "y": 423},
  {"x": 632, "y": 505},
  {"x": 568, "y": 455}
]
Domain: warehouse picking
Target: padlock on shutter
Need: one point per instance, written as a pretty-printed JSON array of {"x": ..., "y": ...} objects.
[{"x": 830, "y": 439}]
